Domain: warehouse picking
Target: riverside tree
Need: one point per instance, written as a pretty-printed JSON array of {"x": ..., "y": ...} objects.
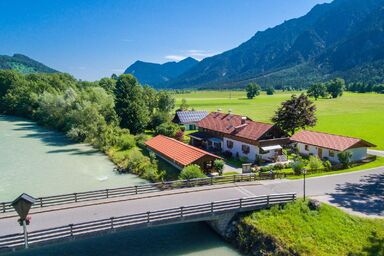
[
  {"x": 295, "y": 113},
  {"x": 252, "y": 90},
  {"x": 130, "y": 105}
]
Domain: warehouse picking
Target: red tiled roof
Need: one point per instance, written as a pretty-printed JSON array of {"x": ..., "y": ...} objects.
[
  {"x": 330, "y": 141},
  {"x": 182, "y": 153},
  {"x": 231, "y": 124}
]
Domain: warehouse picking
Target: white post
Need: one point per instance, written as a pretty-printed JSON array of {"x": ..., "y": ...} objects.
[{"x": 25, "y": 234}]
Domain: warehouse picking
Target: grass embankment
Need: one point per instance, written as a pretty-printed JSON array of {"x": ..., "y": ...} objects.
[
  {"x": 353, "y": 114},
  {"x": 297, "y": 230}
]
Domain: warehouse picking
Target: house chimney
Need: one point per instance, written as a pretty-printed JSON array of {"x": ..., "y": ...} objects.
[{"x": 243, "y": 119}]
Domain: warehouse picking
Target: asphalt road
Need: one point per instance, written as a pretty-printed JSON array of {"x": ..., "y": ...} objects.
[{"x": 357, "y": 192}]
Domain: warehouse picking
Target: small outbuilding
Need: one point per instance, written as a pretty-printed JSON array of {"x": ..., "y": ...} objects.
[
  {"x": 179, "y": 154},
  {"x": 189, "y": 119},
  {"x": 328, "y": 146}
]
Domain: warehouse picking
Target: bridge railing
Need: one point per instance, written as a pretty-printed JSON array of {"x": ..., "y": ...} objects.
[
  {"x": 166, "y": 216},
  {"x": 135, "y": 190}
]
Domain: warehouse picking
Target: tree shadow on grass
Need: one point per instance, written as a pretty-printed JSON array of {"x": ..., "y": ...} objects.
[
  {"x": 375, "y": 248},
  {"x": 366, "y": 196}
]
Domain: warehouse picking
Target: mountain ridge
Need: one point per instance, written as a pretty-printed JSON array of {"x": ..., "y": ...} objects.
[
  {"x": 158, "y": 74},
  {"x": 24, "y": 64}
]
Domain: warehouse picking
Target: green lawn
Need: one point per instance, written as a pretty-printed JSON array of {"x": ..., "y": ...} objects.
[
  {"x": 357, "y": 115},
  {"x": 327, "y": 231}
]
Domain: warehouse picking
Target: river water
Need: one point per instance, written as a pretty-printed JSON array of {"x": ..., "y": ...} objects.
[{"x": 41, "y": 162}]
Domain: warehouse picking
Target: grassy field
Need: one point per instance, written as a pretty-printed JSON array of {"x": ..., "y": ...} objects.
[
  {"x": 357, "y": 115},
  {"x": 327, "y": 231}
]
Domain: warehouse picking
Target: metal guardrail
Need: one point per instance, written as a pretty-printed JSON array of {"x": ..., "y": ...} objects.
[
  {"x": 135, "y": 190},
  {"x": 159, "y": 217}
]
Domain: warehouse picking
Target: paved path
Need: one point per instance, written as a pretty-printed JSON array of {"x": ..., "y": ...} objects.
[
  {"x": 376, "y": 152},
  {"x": 358, "y": 192}
]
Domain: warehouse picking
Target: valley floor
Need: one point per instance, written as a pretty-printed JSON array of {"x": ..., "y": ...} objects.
[{"x": 353, "y": 114}]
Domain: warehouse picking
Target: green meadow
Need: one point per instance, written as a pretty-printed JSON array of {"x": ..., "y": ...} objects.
[{"x": 353, "y": 114}]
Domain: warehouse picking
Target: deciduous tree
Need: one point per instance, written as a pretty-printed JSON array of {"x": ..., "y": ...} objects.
[{"x": 295, "y": 113}]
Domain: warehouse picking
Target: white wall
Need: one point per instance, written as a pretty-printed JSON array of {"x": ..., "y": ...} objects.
[
  {"x": 357, "y": 153},
  {"x": 253, "y": 150}
]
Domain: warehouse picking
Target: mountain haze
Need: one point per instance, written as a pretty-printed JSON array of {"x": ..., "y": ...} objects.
[
  {"x": 23, "y": 64},
  {"x": 157, "y": 74},
  {"x": 343, "y": 38}
]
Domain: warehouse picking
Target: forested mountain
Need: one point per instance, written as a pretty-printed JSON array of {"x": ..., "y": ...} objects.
[
  {"x": 343, "y": 38},
  {"x": 157, "y": 74},
  {"x": 23, "y": 64}
]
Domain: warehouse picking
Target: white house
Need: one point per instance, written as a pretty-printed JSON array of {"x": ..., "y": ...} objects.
[
  {"x": 328, "y": 146},
  {"x": 240, "y": 136}
]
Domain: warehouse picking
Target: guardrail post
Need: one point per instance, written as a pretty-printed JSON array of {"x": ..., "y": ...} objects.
[
  {"x": 107, "y": 192},
  {"x": 41, "y": 201},
  {"x": 234, "y": 178},
  {"x": 181, "y": 211},
  {"x": 71, "y": 230},
  {"x": 212, "y": 180},
  {"x": 241, "y": 203},
  {"x": 75, "y": 194},
  {"x": 148, "y": 217},
  {"x": 267, "y": 200},
  {"x": 3, "y": 207},
  {"x": 212, "y": 207},
  {"x": 112, "y": 218},
  {"x": 293, "y": 197},
  {"x": 136, "y": 189}
]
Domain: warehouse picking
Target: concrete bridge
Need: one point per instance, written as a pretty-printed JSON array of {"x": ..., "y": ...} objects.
[{"x": 356, "y": 192}]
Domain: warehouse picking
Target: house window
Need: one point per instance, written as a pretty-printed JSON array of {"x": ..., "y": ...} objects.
[
  {"x": 331, "y": 153},
  {"x": 229, "y": 144},
  {"x": 306, "y": 147},
  {"x": 245, "y": 149}
]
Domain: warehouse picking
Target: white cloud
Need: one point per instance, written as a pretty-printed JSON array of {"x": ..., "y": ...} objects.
[
  {"x": 196, "y": 54},
  {"x": 175, "y": 57}
]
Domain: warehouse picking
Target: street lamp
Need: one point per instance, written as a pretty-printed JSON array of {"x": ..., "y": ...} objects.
[
  {"x": 304, "y": 171},
  {"x": 22, "y": 205}
]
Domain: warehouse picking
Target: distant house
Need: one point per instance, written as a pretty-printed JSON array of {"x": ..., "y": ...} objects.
[
  {"x": 328, "y": 146},
  {"x": 189, "y": 119},
  {"x": 180, "y": 154},
  {"x": 239, "y": 136}
]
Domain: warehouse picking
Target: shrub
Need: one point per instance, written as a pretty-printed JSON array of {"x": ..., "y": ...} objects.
[
  {"x": 266, "y": 169},
  {"x": 192, "y": 171},
  {"x": 298, "y": 167},
  {"x": 219, "y": 166},
  {"x": 167, "y": 129},
  {"x": 327, "y": 165},
  {"x": 345, "y": 158},
  {"x": 278, "y": 166},
  {"x": 157, "y": 119},
  {"x": 179, "y": 135},
  {"x": 126, "y": 141},
  {"x": 315, "y": 163},
  {"x": 141, "y": 139},
  {"x": 244, "y": 159}
]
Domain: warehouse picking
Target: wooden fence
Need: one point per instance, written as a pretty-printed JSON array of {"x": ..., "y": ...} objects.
[
  {"x": 199, "y": 212},
  {"x": 135, "y": 190}
]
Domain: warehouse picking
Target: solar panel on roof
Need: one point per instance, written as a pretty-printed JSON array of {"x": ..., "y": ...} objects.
[{"x": 191, "y": 116}]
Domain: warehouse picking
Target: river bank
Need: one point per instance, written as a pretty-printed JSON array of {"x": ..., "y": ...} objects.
[
  {"x": 43, "y": 162},
  {"x": 298, "y": 229}
]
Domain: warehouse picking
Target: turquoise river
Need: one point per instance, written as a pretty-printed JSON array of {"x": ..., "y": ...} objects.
[{"x": 41, "y": 162}]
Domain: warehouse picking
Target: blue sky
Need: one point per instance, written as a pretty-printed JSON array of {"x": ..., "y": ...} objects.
[{"x": 94, "y": 38}]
